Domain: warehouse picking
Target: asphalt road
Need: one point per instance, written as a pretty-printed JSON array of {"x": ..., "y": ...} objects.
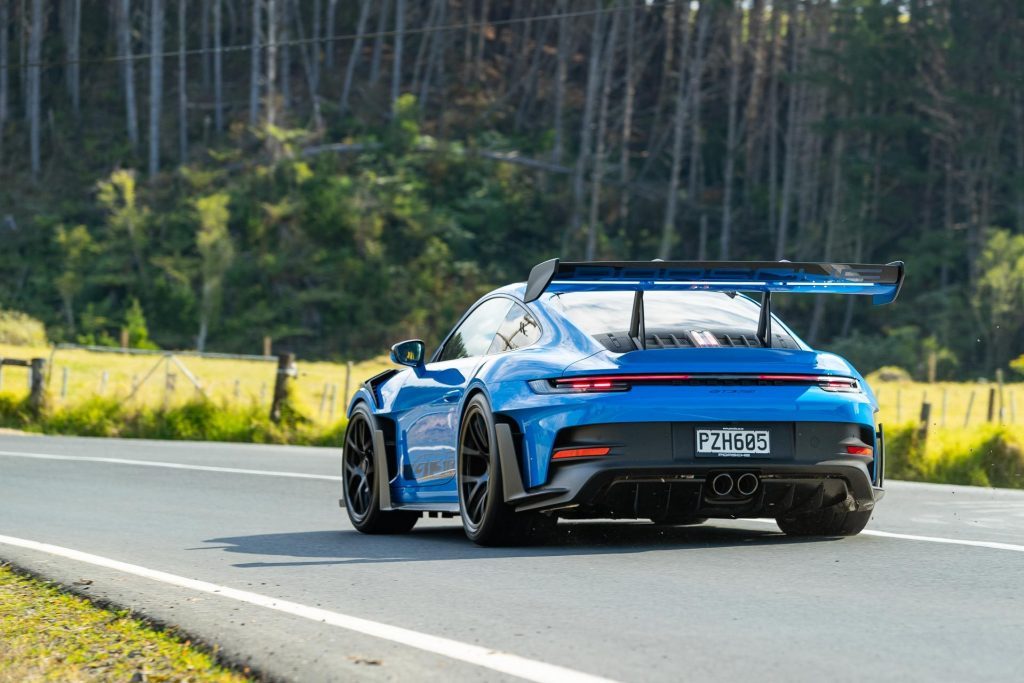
[{"x": 625, "y": 601}]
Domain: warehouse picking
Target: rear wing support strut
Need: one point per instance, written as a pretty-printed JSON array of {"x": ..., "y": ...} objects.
[
  {"x": 764, "y": 322},
  {"x": 637, "y": 329}
]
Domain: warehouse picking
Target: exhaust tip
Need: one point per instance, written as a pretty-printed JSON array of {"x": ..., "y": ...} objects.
[
  {"x": 747, "y": 484},
  {"x": 722, "y": 484}
]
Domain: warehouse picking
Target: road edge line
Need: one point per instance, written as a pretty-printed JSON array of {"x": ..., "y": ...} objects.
[{"x": 495, "y": 660}]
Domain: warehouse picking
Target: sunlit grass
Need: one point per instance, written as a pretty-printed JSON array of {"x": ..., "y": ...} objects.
[
  {"x": 239, "y": 383},
  {"x": 49, "y": 635}
]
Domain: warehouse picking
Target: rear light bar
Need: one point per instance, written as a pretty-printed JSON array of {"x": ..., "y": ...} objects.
[
  {"x": 565, "y": 453},
  {"x": 860, "y": 450},
  {"x": 606, "y": 383}
]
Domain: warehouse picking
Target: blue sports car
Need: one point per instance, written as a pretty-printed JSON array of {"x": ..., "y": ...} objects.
[{"x": 640, "y": 390}]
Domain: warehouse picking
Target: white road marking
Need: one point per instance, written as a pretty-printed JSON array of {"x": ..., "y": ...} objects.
[
  {"x": 503, "y": 662},
  {"x": 994, "y": 545},
  {"x": 171, "y": 465}
]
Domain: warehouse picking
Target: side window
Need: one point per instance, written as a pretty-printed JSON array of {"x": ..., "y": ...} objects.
[
  {"x": 474, "y": 336},
  {"x": 519, "y": 330}
]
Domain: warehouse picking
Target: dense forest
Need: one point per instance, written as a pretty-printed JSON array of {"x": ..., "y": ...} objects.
[{"x": 340, "y": 175}]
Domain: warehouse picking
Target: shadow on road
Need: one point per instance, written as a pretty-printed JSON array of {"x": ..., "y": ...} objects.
[{"x": 432, "y": 543}]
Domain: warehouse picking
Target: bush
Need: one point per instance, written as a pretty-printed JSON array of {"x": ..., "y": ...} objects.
[
  {"x": 991, "y": 455},
  {"x": 889, "y": 373},
  {"x": 20, "y": 329}
]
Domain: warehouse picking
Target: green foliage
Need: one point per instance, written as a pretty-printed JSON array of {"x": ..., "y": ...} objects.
[
  {"x": 135, "y": 325},
  {"x": 1017, "y": 364},
  {"x": 998, "y": 300},
  {"x": 196, "y": 420},
  {"x": 889, "y": 373},
  {"x": 990, "y": 455},
  {"x": 20, "y": 329},
  {"x": 903, "y": 347}
]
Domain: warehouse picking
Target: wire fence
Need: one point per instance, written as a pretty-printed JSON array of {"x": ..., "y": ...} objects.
[{"x": 320, "y": 390}]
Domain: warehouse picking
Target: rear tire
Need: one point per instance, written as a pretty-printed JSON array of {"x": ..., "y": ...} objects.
[
  {"x": 359, "y": 481},
  {"x": 486, "y": 518},
  {"x": 829, "y": 522}
]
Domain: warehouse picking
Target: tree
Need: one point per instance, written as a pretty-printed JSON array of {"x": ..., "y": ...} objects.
[
  {"x": 254, "y": 64},
  {"x": 998, "y": 301},
  {"x": 71, "y": 22},
  {"x": 396, "y": 60},
  {"x": 353, "y": 58},
  {"x": 182, "y": 84},
  {"x": 156, "y": 81},
  {"x": 124, "y": 54},
  {"x": 35, "y": 47},
  {"x": 216, "y": 253},
  {"x": 77, "y": 248},
  {"x": 5, "y": 29}
]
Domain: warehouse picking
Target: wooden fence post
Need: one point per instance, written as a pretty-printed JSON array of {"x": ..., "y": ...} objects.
[
  {"x": 348, "y": 380},
  {"x": 64, "y": 383},
  {"x": 104, "y": 378},
  {"x": 999, "y": 382},
  {"x": 37, "y": 384},
  {"x": 285, "y": 370},
  {"x": 991, "y": 403},
  {"x": 922, "y": 424},
  {"x": 970, "y": 403}
]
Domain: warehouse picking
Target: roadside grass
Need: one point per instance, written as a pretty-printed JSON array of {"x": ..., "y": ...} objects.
[
  {"x": 194, "y": 420},
  {"x": 255, "y": 380},
  {"x": 50, "y": 635},
  {"x": 987, "y": 455}
]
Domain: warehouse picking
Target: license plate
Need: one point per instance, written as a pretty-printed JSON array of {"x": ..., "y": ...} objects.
[{"x": 733, "y": 442}]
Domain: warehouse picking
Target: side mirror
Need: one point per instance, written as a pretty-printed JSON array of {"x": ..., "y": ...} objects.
[{"x": 409, "y": 353}]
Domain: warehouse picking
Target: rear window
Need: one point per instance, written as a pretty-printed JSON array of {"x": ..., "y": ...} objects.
[{"x": 672, "y": 319}]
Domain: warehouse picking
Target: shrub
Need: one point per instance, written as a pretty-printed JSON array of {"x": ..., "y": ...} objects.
[
  {"x": 92, "y": 417},
  {"x": 889, "y": 373},
  {"x": 20, "y": 329}
]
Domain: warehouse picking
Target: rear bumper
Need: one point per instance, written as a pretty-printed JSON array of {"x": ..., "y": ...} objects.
[{"x": 653, "y": 473}]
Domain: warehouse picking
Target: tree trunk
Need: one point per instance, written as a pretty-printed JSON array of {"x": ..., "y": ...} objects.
[
  {"x": 481, "y": 31},
  {"x": 1018, "y": 119},
  {"x": 378, "y": 43},
  {"x": 353, "y": 58},
  {"x": 218, "y": 70},
  {"x": 204, "y": 44},
  {"x": 753, "y": 112},
  {"x": 696, "y": 96},
  {"x": 5, "y": 20},
  {"x": 315, "y": 45},
  {"x": 436, "y": 40},
  {"x": 284, "y": 52},
  {"x": 271, "y": 105},
  {"x": 586, "y": 132},
  {"x": 682, "y": 105},
  {"x": 72, "y": 25},
  {"x": 735, "y": 29},
  {"x": 629, "y": 100},
  {"x": 602, "y": 130},
  {"x": 307, "y": 67},
  {"x": 773, "y": 126},
  {"x": 156, "y": 78},
  {"x": 124, "y": 52},
  {"x": 34, "y": 57},
  {"x": 792, "y": 138},
  {"x": 396, "y": 63},
  {"x": 182, "y": 83},
  {"x": 332, "y": 14},
  {"x": 561, "y": 75},
  {"x": 254, "y": 65},
  {"x": 831, "y": 231}
]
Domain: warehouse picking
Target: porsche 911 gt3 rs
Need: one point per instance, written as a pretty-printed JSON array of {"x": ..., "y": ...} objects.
[{"x": 639, "y": 390}]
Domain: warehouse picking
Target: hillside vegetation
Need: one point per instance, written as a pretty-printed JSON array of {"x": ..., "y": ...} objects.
[{"x": 338, "y": 176}]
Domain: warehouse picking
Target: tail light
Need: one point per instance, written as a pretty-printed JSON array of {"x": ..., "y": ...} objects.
[
  {"x": 859, "y": 450},
  {"x": 606, "y": 383}
]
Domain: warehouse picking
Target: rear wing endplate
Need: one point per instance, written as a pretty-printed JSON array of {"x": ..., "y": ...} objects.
[{"x": 881, "y": 282}]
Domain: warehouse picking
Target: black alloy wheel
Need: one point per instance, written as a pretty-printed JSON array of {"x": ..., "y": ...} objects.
[{"x": 359, "y": 481}]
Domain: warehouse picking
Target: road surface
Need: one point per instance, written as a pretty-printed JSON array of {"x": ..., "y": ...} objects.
[{"x": 246, "y": 548}]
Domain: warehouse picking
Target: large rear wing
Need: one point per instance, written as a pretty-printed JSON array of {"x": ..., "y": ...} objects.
[{"x": 881, "y": 282}]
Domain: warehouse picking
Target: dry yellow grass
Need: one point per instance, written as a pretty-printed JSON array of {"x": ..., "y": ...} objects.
[
  {"x": 241, "y": 381},
  {"x": 234, "y": 381},
  {"x": 901, "y": 402}
]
